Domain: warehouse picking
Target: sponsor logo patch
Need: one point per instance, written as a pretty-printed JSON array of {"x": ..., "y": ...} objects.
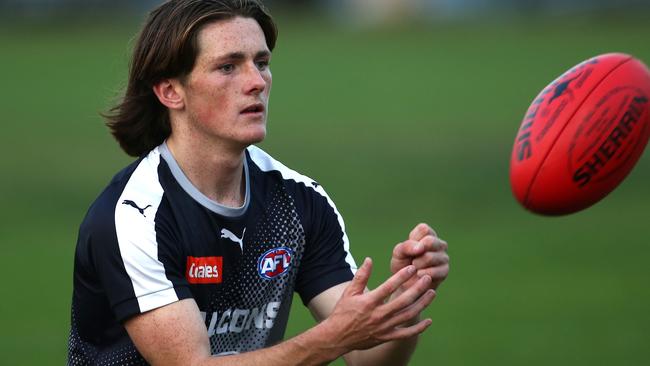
[
  {"x": 204, "y": 270},
  {"x": 275, "y": 262}
]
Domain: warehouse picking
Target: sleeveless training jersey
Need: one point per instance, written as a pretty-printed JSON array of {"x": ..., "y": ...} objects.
[{"x": 151, "y": 238}]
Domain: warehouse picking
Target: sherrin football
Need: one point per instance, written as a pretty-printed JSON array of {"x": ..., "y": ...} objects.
[{"x": 582, "y": 135}]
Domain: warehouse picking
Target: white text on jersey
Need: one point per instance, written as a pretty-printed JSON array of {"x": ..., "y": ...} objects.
[{"x": 237, "y": 320}]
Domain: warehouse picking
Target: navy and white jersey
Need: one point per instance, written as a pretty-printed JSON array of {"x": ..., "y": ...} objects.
[{"x": 151, "y": 238}]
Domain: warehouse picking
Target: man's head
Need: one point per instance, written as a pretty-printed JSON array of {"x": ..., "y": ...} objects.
[{"x": 167, "y": 48}]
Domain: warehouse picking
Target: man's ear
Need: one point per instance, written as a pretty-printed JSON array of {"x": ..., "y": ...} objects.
[{"x": 169, "y": 93}]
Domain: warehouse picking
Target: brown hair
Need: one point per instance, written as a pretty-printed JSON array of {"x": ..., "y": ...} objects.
[{"x": 167, "y": 48}]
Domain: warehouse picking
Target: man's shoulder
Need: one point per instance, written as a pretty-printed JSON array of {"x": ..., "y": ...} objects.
[
  {"x": 267, "y": 164},
  {"x": 308, "y": 196},
  {"x": 102, "y": 211}
]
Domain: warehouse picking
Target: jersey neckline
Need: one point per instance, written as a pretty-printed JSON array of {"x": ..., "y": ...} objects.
[{"x": 199, "y": 197}]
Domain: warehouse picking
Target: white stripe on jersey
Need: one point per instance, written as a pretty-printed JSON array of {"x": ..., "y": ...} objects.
[
  {"x": 136, "y": 235},
  {"x": 267, "y": 163}
]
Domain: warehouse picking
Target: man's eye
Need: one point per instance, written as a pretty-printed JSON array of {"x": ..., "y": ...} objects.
[
  {"x": 227, "y": 68},
  {"x": 262, "y": 65}
]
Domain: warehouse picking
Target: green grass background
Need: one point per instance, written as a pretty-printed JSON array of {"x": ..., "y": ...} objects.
[{"x": 400, "y": 125}]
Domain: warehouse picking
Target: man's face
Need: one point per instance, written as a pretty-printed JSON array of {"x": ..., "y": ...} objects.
[{"x": 226, "y": 94}]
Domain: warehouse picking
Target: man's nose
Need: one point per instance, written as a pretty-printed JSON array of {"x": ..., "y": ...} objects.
[{"x": 255, "y": 82}]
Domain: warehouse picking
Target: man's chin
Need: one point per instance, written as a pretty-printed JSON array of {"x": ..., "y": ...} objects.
[{"x": 254, "y": 138}]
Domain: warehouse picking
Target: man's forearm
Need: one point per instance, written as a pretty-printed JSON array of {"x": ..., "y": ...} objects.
[
  {"x": 395, "y": 353},
  {"x": 313, "y": 347}
]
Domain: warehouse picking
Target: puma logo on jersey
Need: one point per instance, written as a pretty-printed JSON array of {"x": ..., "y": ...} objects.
[
  {"x": 227, "y": 234},
  {"x": 134, "y": 205}
]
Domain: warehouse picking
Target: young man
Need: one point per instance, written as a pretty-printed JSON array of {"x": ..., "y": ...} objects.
[{"x": 195, "y": 249}]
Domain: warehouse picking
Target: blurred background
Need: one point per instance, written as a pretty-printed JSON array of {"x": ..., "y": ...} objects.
[{"x": 405, "y": 111}]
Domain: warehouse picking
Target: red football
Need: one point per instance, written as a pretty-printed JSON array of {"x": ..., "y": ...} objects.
[{"x": 582, "y": 135}]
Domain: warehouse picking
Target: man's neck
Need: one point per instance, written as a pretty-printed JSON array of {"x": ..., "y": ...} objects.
[{"x": 216, "y": 171}]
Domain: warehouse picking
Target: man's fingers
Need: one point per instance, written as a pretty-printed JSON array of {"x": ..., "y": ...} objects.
[
  {"x": 431, "y": 259},
  {"x": 392, "y": 284},
  {"x": 412, "y": 311},
  {"x": 432, "y": 243},
  {"x": 360, "y": 280},
  {"x": 408, "y": 297},
  {"x": 409, "y": 249},
  {"x": 434, "y": 272},
  {"x": 437, "y": 274},
  {"x": 420, "y": 231},
  {"x": 407, "y": 332},
  {"x": 404, "y": 250}
]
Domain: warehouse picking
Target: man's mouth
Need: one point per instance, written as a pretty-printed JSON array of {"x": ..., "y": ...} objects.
[{"x": 253, "y": 109}]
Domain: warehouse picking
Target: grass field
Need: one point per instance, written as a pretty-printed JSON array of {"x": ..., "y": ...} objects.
[{"x": 400, "y": 126}]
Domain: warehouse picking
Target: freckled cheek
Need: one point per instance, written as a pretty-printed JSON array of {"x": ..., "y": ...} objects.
[{"x": 214, "y": 105}]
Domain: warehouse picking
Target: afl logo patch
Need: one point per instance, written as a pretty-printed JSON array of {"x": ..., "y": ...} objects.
[{"x": 274, "y": 262}]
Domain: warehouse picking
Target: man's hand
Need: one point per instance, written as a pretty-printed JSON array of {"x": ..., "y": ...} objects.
[
  {"x": 424, "y": 250},
  {"x": 362, "y": 320}
]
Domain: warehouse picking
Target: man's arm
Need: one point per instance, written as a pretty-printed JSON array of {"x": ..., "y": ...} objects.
[{"x": 176, "y": 335}]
